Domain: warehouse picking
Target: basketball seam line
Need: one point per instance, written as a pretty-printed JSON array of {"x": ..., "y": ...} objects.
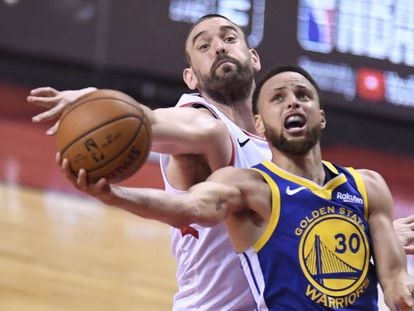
[
  {"x": 103, "y": 124},
  {"x": 120, "y": 153},
  {"x": 99, "y": 98}
]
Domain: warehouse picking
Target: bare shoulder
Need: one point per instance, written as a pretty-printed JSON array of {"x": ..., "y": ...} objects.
[
  {"x": 372, "y": 179},
  {"x": 379, "y": 195}
]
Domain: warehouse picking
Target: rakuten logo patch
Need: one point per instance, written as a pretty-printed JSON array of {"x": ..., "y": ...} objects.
[{"x": 348, "y": 198}]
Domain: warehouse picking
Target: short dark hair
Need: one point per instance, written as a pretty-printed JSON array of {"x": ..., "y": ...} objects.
[
  {"x": 203, "y": 18},
  {"x": 274, "y": 71},
  {"x": 208, "y": 16}
]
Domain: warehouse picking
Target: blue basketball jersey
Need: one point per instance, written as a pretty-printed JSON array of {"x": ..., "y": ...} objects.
[{"x": 315, "y": 253}]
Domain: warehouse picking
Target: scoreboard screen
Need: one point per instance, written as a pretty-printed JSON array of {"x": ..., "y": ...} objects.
[{"x": 361, "y": 52}]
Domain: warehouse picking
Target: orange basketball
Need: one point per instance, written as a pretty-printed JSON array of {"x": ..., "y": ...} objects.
[{"x": 105, "y": 132}]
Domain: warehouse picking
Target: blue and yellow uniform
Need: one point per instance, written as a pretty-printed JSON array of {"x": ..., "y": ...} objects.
[{"x": 315, "y": 253}]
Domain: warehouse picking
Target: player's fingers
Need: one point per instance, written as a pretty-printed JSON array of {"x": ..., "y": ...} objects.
[
  {"x": 58, "y": 159},
  {"x": 408, "y": 219},
  {"x": 409, "y": 250},
  {"x": 44, "y": 91},
  {"x": 65, "y": 165},
  {"x": 53, "y": 129},
  {"x": 409, "y": 237},
  {"x": 67, "y": 171},
  {"x": 81, "y": 180},
  {"x": 399, "y": 221},
  {"x": 43, "y": 101},
  {"x": 101, "y": 185},
  {"x": 411, "y": 289},
  {"x": 49, "y": 114}
]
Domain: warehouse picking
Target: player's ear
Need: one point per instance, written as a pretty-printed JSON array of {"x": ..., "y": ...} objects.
[
  {"x": 190, "y": 78},
  {"x": 258, "y": 122},
  {"x": 323, "y": 119},
  {"x": 255, "y": 60}
]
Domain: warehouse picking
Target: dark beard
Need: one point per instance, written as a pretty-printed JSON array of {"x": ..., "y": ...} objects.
[
  {"x": 297, "y": 147},
  {"x": 232, "y": 86}
]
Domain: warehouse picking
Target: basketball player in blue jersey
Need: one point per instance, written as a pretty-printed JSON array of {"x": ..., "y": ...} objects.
[
  {"x": 311, "y": 235},
  {"x": 327, "y": 223},
  {"x": 214, "y": 48}
]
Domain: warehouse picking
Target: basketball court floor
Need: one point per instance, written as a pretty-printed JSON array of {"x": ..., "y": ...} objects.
[{"x": 62, "y": 252}]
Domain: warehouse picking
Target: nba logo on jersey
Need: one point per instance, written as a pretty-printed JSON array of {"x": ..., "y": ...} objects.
[{"x": 316, "y": 25}]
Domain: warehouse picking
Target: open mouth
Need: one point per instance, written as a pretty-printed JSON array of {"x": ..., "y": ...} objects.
[{"x": 295, "y": 121}]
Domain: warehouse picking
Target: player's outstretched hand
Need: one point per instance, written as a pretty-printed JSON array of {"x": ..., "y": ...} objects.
[
  {"x": 55, "y": 101},
  {"x": 400, "y": 296},
  {"x": 405, "y": 232}
]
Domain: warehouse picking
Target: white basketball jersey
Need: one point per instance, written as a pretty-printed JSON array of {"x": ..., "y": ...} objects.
[{"x": 209, "y": 273}]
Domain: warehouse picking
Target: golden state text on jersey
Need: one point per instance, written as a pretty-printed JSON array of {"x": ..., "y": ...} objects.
[{"x": 315, "y": 253}]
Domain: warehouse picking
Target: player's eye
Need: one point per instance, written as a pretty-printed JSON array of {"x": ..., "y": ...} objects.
[
  {"x": 229, "y": 39},
  {"x": 203, "y": 47},
  {"x": 278, "y": 97},
  {"x": 302, "y": 96}
]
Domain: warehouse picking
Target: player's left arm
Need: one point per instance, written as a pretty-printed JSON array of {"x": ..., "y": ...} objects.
[{"x": 389, "y": 256}]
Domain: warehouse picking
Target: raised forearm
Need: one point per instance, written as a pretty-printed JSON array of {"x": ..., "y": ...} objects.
[{"x": 390, "y": 258}]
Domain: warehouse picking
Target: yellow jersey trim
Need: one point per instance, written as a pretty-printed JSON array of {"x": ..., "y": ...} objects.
[
  {"x": 274, "y": 214},
  {"x": 331, "y": 167},
  {"x": 361, "y": 188},
  {"x": 321, "y": 191}
]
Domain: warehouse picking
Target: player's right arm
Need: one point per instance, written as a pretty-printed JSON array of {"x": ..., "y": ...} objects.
[
  {"x": 174, "y": 130},
  {"x": 187, "y": 130},
  {"x": 207, "y": 203}
]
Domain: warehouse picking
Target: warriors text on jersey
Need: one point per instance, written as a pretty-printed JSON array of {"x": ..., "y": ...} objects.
[
  {"x": 315, "y": 252},
  {"x": 209, "y": 273}
]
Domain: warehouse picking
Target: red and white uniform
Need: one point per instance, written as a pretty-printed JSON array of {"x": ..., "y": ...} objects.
[{"x": 209, "y": 273}]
